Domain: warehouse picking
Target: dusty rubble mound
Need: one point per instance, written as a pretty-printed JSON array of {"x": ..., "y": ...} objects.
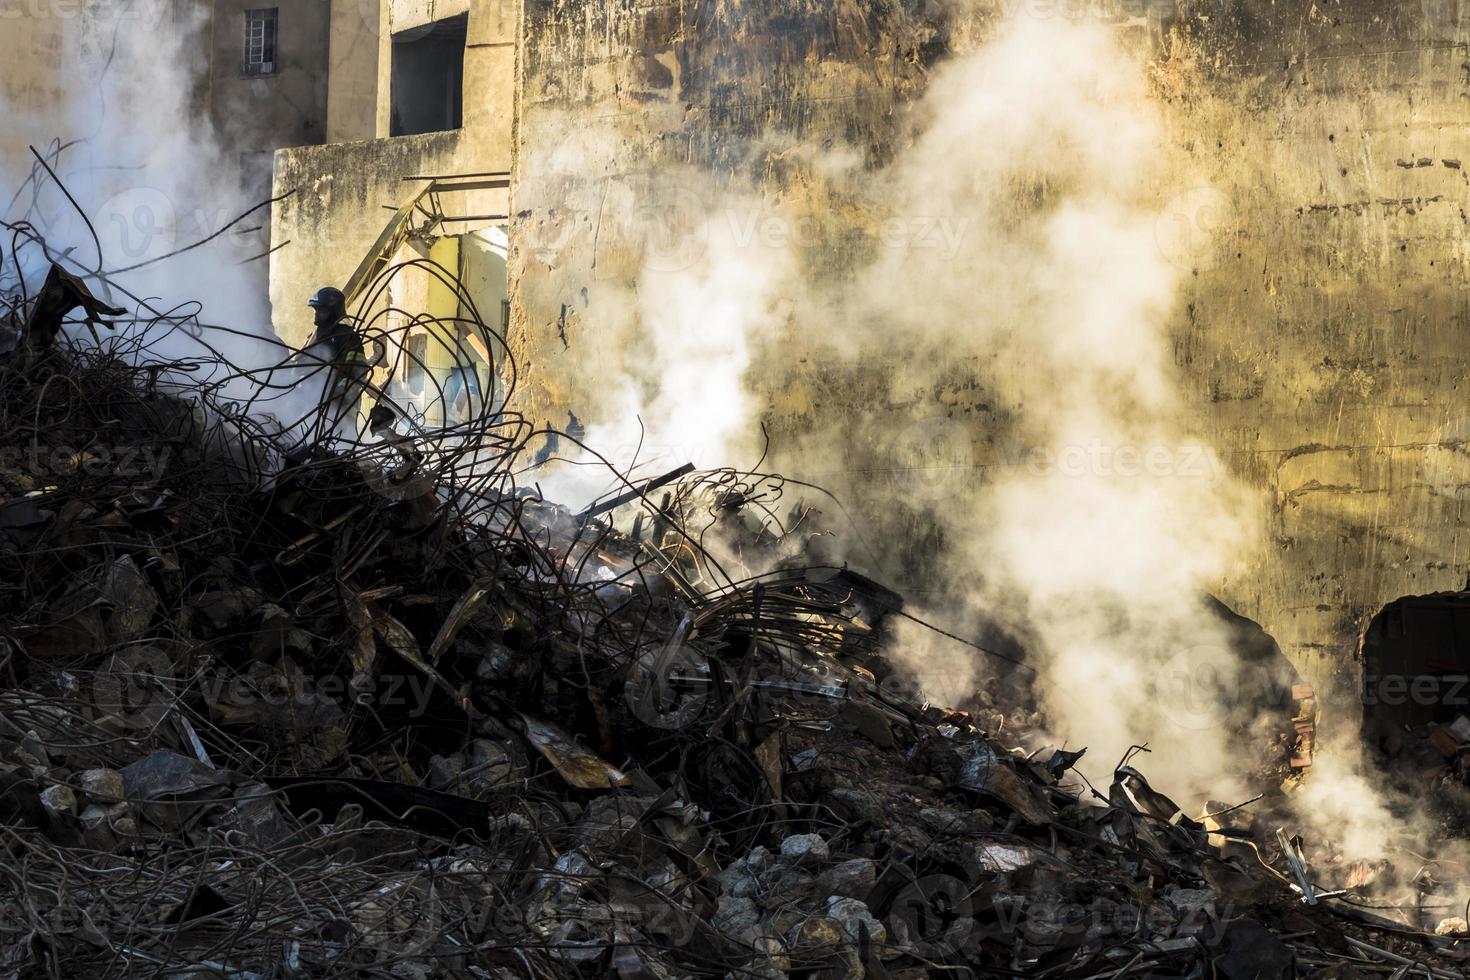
[{"x": 366, "y": 717}]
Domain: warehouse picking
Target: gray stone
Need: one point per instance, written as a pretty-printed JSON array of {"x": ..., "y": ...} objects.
[
  {"x": 806, "y": 759},
  {"x": 849, "y": 879},
  {"x": 737, "y": 917},
  {"x": 804, "y": 849},
  {"x": 96, "y": 815},
  {"x": 492, "y": 762},
  {"x": 785, "y": 883},
  {"x": 445, "y": 770},
  {"x": 943, "y": 821},
  {"x": 97, "y": 827},
  {"x": 59, "y": 800},
  {"x": 738, "y": 881},
  {"x": 853, "y": 914},
  {"x": 102, "y": 785},
  {"x": 819, "y": 932},
  {"x": 859, "y": 804}
]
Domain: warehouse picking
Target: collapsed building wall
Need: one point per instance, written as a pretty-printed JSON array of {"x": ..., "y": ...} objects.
[{"x": 1317, "y": 330}]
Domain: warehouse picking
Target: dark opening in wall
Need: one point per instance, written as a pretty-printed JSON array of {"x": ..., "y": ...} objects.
[
  {"x": 428, "y": 78},
  {"x": 1416, "y": 670}
]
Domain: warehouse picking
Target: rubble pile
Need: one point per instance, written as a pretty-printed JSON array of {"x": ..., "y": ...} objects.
[{"x": 369, "y": 717}]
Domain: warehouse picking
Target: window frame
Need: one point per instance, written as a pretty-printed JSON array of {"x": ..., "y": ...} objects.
[{"x": 266, "y": 23}]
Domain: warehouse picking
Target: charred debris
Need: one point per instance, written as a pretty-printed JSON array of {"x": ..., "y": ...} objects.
[{"x": 384, "y": 711}]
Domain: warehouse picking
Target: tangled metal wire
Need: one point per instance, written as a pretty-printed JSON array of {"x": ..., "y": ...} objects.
[{"x": 286, "y": 695}]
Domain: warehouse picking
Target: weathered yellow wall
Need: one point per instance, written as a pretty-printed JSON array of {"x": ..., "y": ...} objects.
[
  {"x": 1321, "y": 337},
  {"x": 352, "y": 76},
  {"x": 1324, "y": 333},
  {"x": 32, "y": 72},
  {"x": 341, "y": 197}
]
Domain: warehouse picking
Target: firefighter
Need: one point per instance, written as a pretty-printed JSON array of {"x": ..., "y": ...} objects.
[{"x": 336, "y": 344}]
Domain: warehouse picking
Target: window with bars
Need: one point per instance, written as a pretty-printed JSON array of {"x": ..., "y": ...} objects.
[{"x": 260, "y": 41}]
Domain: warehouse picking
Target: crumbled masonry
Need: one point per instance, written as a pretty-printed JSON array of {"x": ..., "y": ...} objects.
[{"x": 358, "y": 716}]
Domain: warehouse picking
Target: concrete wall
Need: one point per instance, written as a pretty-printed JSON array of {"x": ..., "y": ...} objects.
[
  {"x": 30, "y": 85},
  {"x": 1322, "y": 337},
  {"x": 1324, "y": 333},
  {"x": 255, "y": 114},
  {"x": 352, "y": 79},
  {"x": 676, "y": 84}
]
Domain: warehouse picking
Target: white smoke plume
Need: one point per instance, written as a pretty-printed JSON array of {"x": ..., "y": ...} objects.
[
  {"x": 1013, "y": 243},
  {"x": 143, "y": 199},
  {"x": 1101, "y": 536},
  {"x": 140, "y": 159}
]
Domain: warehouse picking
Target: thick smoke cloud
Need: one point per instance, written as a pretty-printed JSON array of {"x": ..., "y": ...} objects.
[
  {"x": 143, "y": 199},
  {"x": 1013, "y": 243},
  {"x": 1019, "y": 252},
  {"x": 134, "y": 146}
]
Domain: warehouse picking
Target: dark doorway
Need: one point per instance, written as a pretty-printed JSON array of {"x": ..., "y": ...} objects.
[
  {"x": 1416, "y": 663},
  {"x": 428, "y": 78}
]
